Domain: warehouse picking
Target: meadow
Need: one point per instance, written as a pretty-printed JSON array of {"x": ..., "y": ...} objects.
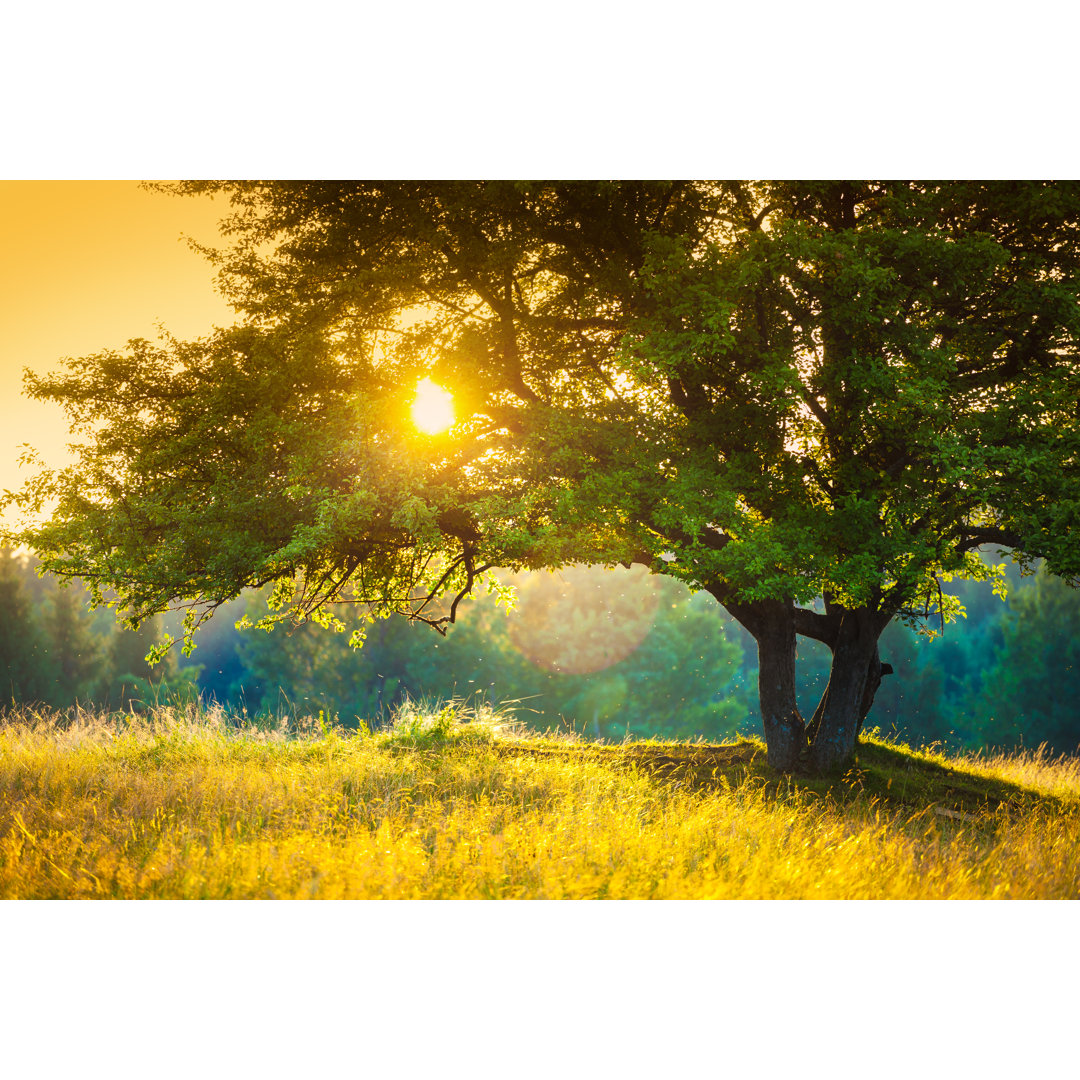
[{"x": 458, "y": 802}]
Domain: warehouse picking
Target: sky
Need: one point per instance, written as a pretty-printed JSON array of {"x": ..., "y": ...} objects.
[{"x": 86, "y": 265}]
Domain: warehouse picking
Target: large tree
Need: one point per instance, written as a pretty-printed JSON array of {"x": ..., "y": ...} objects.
[{"x": 815, "y": 401}]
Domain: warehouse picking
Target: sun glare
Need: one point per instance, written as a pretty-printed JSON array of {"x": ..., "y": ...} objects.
[{"x": 433, "y": 407}]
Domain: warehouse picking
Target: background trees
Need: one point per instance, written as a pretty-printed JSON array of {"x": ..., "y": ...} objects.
[
  {"x": 1027, "y": 694},
  {"x": 54, "y": 651},
  {"x": 773, "y": 392},
  {"x": 23, "y": 674},
  {"x": 987, "y": 682}
]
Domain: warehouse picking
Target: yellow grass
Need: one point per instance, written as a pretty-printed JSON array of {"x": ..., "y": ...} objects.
[{"x": 180, "y": 805}]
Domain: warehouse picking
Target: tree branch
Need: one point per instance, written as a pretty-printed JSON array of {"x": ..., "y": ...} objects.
[
  {"x": 823, "y": 627},
  {"x": 974, "y": 538}
]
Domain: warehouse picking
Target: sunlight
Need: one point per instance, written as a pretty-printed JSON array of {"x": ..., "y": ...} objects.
[
  {"x": 581, "y": 619},
  {"x": 433, "y": 407}
]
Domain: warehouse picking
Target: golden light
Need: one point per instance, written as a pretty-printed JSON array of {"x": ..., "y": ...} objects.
[{"x": 432, "y": 408}]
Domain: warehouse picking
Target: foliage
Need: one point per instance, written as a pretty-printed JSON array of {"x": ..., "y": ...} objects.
[
  {"x": 72, "y": 646},
  {"x": 54, "y": 651},
  {"x": 23, "y": 673},
  {"x": 631, "y": 654},
  {"x": 184, "y": 805},
  {"x": 659, "y": 664},
  {"x": 1029, "y": 689}
]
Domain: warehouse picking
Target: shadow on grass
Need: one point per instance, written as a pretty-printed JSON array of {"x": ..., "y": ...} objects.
[
  {"x": 897, "y": 775},
  {"x": 890, "y": 775}
]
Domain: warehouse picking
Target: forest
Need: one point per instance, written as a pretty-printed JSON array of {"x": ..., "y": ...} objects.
[{"x": 608, "y": 653}]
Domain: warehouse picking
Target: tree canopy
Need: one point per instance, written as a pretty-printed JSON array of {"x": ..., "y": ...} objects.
[{"x": 813, "y": 400}]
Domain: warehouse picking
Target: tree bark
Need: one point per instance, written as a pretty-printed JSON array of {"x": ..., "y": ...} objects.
[
  {"x": 875, "y": 672},
  {"x": 772, "y": 623},
  {"x": 853, "y": 680},
  {"x": 785, "y": 733}
]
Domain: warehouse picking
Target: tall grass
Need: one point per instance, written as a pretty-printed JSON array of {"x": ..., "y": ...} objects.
[{"x": 458, "y": 803}]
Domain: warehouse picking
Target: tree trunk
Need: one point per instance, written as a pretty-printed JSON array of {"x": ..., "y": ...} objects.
[
  {"x": 773, "y": 625},
  {"x": 853, "y": 680},
  {"x": 875, "y": 672},
  {"x": 785, "y": 733}
]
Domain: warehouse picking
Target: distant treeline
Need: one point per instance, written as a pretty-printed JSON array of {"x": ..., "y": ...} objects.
[
  {"x": 55, "y": 651},
  {"x": 608, "y": 653}
]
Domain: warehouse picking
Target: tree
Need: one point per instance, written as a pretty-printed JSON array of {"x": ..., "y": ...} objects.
[
  {"x": 1029, "y": 692},
  {"x": 314, "y": 670},
  {"x": 74, "y": 652},
  {"x": 131, "y": 679},
  {"x": 814, "y": 401},
  {"x": 24, "y": 674}
]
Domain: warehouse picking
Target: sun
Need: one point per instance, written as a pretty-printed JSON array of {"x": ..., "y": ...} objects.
[{"x": 432, "y": 408}]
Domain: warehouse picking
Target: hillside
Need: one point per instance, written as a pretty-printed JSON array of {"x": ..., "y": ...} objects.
[{"x": 463, "y": 804}]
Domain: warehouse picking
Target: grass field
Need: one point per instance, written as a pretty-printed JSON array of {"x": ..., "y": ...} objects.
[{"x": 463, "y": 804}]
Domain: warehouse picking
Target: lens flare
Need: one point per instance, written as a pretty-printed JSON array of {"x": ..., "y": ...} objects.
[
  {"x": 432, "y": 408},
  {"x": 583, "y": 619}
]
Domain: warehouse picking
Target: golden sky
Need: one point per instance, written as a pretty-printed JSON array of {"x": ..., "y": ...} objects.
[{"x": 86, "y": 265}]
